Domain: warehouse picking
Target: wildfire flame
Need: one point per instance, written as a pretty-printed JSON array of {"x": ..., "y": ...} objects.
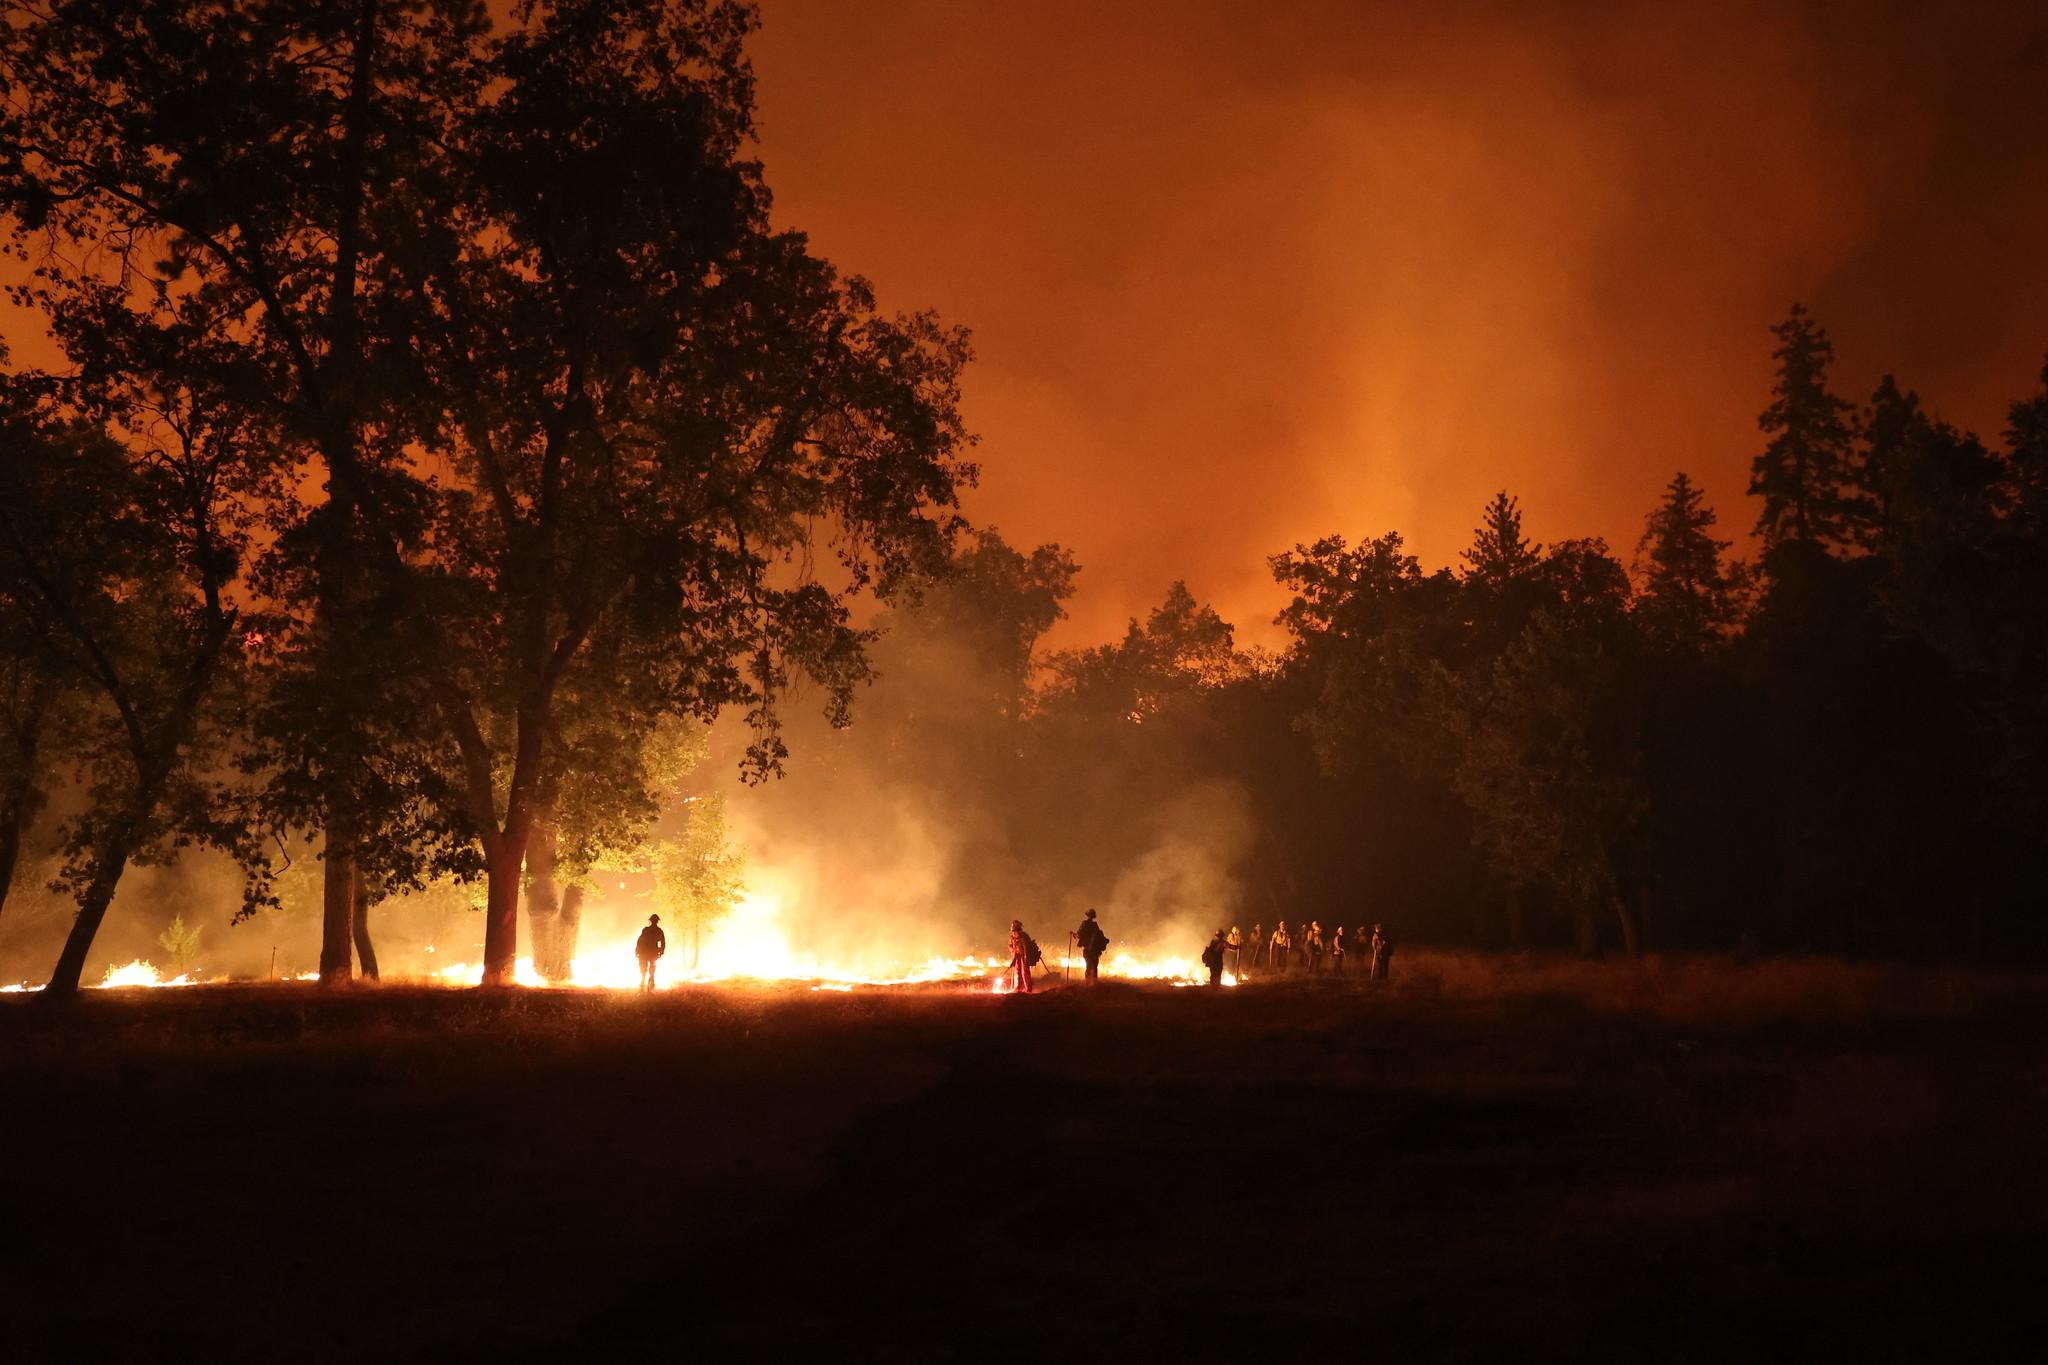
[
  {"x": 1126, "y": 966},
  {"x": 140, "y": 973},
  {"x": 753, "y": 945}
]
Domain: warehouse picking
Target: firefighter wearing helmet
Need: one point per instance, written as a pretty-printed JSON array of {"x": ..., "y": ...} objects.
[{"x": 1023, "y": 957}]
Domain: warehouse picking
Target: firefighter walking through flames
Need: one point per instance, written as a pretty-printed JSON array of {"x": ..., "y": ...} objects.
[
  {"x": 1093, "y": 944},
  {"x": 651, "y": 945},
  {"x": 1023, "y": 957}
]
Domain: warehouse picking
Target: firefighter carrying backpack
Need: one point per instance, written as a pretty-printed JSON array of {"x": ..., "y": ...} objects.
[{"x": 1032, "y": 956}]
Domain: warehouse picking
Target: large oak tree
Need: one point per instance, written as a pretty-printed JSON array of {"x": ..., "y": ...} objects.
[
  {"x": 584, "y": 418},
  {"x": 657, "y": 409}
]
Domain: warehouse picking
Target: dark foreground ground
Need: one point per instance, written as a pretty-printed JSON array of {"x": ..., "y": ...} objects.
[{"x": 1703, "y": 1163}]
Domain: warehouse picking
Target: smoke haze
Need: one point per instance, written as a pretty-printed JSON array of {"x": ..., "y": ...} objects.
[
  {"x": 1241, "y": 274},
  {"x": 942, "y": 813}
]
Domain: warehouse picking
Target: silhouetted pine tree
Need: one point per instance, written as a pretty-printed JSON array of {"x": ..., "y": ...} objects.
[
  {"x": 1891, "y": 426},
  {"x": 1806, "y": 474},
  {"x": 1687, "y": 596},
  {"x": 1938, "y": 495},
  {"x": 2026, "y": 444},
  {"x": 1500, "y": 553},
  {"x": 1502, "y": 585}
]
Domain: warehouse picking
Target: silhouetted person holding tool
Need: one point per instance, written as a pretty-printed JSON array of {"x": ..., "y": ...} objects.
[
  {"x": 1024, "y": 956},
  {"x": 1212, "y": 958},
  {"x": 1279, "y": 943},
  {"x": 1337, "y": 951},
  {"x": 1257, "y": 944},
  {"x": 653, "y": 943},
  {"x": 1382, "y": 954},
  {"x": 1234, "y": 941},
  {"x": 1312, "y": 947},
  {"x": 1093, "y": 944}
]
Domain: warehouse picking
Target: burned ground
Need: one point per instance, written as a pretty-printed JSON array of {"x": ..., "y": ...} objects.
[{"x": 1693, "y": 1164}]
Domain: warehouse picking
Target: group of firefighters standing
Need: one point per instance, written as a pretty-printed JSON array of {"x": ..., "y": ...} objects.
[
  {"x": 1275, "y": 951},
  {"x": 1309, "y": 949}
]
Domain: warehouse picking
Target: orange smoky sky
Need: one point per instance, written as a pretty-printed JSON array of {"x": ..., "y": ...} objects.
[
  {"x": 1246, "y": 272},
  {"x": 1242, "y": 274}
]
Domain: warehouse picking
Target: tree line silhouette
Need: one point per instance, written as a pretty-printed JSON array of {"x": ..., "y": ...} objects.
[
  {"x": 444, "y": 425},
  {"x": 1836, "y": 747}
]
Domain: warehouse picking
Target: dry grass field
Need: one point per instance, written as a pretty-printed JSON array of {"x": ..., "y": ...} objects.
[{"x": 1487, "y": 1159}]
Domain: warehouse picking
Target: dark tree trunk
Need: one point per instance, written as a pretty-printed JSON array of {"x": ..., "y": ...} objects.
[
  {"x": 544, "y": 905},
  {"x": 154, "y": 758},
  {"x": 21, "y": 800},
  {"x": 570, "y": 929},
  {"x": 505, "y": 847},
  {"x": 366, "y": 952},
  {"x": 543, "y": 925},
  {"x": 505, "y": 859},
  {"x": 1631, "y": 930},
  {"x": 344, "y": 926},
  {"x": 108, "y": 865},
  {"x": 338, "y": 903},
  {"x": 14, "y": 817}
]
